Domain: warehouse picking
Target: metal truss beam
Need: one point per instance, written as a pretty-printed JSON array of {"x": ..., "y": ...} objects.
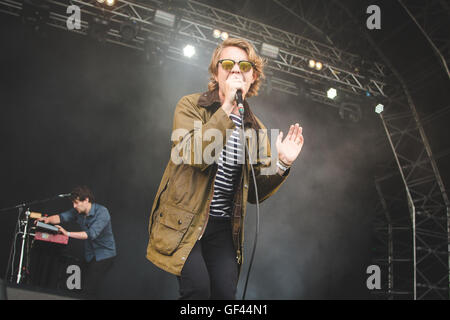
[
  {"x": 302, "y": 18},
  {"x": 295, "y": 51},
  {"x": 432, "y": 18},
  {"x": 420, "y": 238},
  {"x": 196, "y": 21},
  {"x": 424, "y": 209}
]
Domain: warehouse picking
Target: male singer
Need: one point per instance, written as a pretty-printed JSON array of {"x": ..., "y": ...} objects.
[
  {"x": 197, "y": 220},
  {"x": 99, "y": 245}
]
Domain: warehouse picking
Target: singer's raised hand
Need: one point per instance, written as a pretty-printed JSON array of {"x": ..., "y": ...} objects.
[{"x": 289, "y": 148}]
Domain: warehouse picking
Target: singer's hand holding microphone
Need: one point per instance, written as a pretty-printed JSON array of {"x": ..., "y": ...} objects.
[{"x": 232, "y": 85}]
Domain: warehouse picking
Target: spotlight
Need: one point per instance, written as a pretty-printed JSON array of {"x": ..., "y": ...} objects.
[
  {"x": 379, "y": 108},
  {"x": 315, "y": 64},
  {"x": 189, "y": 51},
  {"x": 129, "y": 30},
  {"x": 216, "y": 33},
  {"x": 332, "y": 93},
  {"x": 319, "y": 66},
  {"x": 110, "y": 2},
  {"x": 224, "y": 36}
]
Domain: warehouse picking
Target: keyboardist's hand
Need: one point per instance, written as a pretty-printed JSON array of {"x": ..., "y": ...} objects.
[
  {"x": 62, "y": 230},
  {"x": 42, "y": 219}
]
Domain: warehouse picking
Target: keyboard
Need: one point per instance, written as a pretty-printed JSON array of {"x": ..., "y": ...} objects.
[{"x": 47, "y": 227}]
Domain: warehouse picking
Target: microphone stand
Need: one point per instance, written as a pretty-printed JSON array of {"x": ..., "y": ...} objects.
[
  {"x": 25, "y": 233},
  {"x": 31, "y": 203},
  {"x": 24, "y": 238}
]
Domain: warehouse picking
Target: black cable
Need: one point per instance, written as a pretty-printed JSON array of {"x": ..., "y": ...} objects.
[{"x": 257, "y": 209}]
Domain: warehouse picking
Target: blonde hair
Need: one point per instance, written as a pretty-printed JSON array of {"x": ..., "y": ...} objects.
[{"x": 258, "y": 62}]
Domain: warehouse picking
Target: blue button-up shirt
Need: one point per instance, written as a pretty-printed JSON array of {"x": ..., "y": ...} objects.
[{"x": 100, "y": 243}]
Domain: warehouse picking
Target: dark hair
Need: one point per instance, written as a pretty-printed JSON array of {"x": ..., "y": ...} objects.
[{"x": 82, "y": 193}]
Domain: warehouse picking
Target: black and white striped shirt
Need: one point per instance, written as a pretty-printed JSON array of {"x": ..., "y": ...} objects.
[{"x": 228, "y": 173}]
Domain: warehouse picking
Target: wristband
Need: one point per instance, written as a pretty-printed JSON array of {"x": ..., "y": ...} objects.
[
  {"x": 68, "y": 234},
  {"x": 282, "y": 166}
]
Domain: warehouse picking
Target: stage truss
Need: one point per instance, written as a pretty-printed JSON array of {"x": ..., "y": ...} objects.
[
  {"x": 288, "y": 72},
  {"x": 413, "y": 227}
]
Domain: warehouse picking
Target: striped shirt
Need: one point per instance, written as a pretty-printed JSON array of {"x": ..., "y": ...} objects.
[{"x": 228, "y": 173}]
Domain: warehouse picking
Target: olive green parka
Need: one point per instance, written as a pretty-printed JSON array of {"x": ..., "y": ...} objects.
[{"x": 180, "y": 211}]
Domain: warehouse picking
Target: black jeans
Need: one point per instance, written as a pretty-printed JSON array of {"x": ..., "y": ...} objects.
[
  {"x": 94, "y": 274},
  {"x": 211, "y": 270}
]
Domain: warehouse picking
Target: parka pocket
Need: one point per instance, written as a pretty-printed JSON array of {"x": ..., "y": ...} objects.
[{"x": 169, "y": 229}]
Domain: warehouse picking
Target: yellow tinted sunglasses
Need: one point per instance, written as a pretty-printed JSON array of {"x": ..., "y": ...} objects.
[{"x": 228, "y": 64}]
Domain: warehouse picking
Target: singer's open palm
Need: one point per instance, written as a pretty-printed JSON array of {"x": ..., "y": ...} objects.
[{"x": 289, "y": 148}]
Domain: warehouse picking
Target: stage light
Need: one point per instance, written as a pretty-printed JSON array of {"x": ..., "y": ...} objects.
[
  {"x": 110, "y": 2},
  {"x": 217, "y": 33},
  {"x": 269, "y": 50},
  {"x": 101, "y": 1},
  {"x": 319, "y": 66},
  {"x": 129, "y": 30},
  {"x": 189, "y": 51},
  {"x": 379, "y": 108},
  {"x": 332, "y": 93},
  {"x": 315, "y": 64},
  {"x": 224, "y": 36},
  {"x": 164, "y": 18}
]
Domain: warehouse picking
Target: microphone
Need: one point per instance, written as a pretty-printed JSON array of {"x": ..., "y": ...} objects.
[
  {"x": 64, "y": 195},
  {"x": 240, "y": 101}
]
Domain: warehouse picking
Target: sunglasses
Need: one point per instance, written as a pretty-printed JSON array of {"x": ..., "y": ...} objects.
[{"x": 228, "y": 64}]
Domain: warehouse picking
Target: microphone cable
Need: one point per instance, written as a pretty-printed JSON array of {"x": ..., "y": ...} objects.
[{"x": 246, "y": 148}]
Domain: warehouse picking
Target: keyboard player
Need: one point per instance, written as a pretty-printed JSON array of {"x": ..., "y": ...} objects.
[{"x": 96, "y": 231}]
